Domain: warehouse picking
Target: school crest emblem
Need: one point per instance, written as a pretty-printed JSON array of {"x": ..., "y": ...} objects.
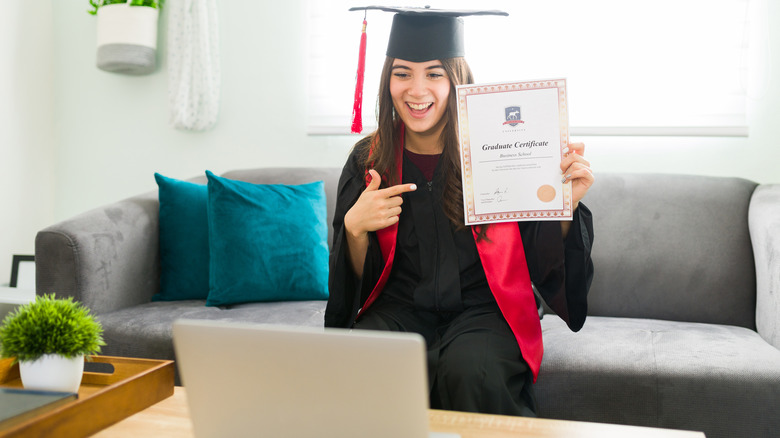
[{"x": 513, "y": 116}]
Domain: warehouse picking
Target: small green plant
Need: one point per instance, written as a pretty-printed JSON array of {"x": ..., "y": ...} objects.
[
  {"x": 96, "y": 4},
  {"x": 50, "y": 326}
]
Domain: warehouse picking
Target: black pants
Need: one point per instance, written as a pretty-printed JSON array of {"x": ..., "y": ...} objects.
[{"x": 474, "y": 362}]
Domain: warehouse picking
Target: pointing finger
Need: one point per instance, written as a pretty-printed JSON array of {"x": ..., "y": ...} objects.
[{"x": 399, "y": 189}]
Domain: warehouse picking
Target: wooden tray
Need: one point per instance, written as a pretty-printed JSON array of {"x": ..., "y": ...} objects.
[{"x": 104, "y": 397}]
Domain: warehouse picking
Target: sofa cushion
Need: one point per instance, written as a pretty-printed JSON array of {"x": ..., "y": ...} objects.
[
  {"x": 267, "y": 242},
  {"x": 146, "y": 330},
  {"x": 673, "y": 247},
  {"x": 295, "y": 175},
  {"x": 646, "y": 372},
  {"x": 184, "y": 244}
]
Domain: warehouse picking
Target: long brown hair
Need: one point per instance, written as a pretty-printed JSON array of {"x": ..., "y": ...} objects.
[{"x": 380, "y": 148}]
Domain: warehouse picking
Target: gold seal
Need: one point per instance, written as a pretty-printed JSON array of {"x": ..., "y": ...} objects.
[{"x": 546, "y": 193}]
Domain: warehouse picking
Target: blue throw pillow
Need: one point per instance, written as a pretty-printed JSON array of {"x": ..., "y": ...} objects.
[
  {"x": 184, "y": 240},
  {"x": 267, "y": 242}
]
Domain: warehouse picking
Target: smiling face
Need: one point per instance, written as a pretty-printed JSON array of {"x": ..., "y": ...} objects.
[{"x": 420, "y": 91}]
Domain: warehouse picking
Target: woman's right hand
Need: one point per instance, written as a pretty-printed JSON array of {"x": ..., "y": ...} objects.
[{"x": 376, "y": 208}]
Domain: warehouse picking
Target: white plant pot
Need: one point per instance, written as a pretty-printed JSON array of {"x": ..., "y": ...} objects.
[
  {"x": 52, "y": 372},
  {"x": 127, "y": 39}
]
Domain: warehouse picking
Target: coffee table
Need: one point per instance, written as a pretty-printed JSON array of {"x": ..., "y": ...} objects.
[{"x": 170, "y": 418}]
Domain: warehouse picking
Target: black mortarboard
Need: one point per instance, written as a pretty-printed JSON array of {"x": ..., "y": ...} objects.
[
  {"x": 425, "y": 34},
  {"x": 417, "y": 35}
]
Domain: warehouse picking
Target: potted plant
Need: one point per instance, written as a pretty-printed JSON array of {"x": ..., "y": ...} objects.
[
  {"x": 127, "y": 35},
  {"x": 49, "y": 337}
]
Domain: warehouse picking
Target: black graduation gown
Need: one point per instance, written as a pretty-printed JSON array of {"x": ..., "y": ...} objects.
[{"x": 561, "y": 270}]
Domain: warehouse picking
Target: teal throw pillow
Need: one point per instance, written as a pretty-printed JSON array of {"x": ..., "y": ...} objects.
[
  {"x": 184, "y": 240},
  {"x": 267, "y": 242}
]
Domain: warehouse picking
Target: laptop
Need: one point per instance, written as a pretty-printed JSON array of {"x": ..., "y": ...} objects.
[{"x": 277, "y": 381}]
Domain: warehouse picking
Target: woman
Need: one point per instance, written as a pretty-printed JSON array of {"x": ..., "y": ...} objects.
[{"x": 403, "y": 260}]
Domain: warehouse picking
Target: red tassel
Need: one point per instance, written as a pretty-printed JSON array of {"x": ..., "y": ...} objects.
[{"x": 357, "y": 109}]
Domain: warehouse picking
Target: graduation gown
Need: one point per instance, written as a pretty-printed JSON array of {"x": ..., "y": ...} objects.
[{"x": 561, "y": 270}]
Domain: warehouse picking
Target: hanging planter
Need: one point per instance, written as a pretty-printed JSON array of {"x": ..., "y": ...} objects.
[
  {"x": 50, "y": 338},
  {"x": 127, "y": 35}
]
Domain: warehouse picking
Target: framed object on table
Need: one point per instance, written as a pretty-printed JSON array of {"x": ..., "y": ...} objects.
[{"x": 23, "y": 272}]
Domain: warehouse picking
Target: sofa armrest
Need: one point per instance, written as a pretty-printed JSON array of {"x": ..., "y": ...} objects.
[
  {"x": 106, "y": 258},
  {"x": 764, "y": 223}
]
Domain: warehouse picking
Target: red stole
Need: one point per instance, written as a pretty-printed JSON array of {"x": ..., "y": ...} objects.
[{"x": 503, "y": 259}]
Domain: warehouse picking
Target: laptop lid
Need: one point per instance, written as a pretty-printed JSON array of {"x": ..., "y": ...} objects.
[{"x": 275, "y": 381}]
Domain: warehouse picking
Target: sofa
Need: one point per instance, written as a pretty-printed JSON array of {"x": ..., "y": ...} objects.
[{"x": 683, "y": 329}]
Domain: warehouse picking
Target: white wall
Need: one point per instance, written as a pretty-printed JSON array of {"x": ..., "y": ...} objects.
[
  {"x": 111, "y": 132},
  {"x": 27, "y": 172}
]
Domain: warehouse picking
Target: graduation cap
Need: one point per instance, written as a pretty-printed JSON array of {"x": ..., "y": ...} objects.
[{"x": 417, "y": 35}]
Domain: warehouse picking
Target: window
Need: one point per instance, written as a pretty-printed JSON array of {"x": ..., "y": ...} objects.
[{"x": 666, "y": 67}]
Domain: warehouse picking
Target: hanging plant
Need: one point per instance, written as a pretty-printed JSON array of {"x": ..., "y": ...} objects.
[{"x": 127, "y": 35}]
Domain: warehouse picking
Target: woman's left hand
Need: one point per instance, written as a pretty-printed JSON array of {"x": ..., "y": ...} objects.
[{"x": 576, "y": 168}]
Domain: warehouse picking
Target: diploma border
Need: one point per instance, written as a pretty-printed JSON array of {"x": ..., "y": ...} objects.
[{"x": 471, "y": 218}]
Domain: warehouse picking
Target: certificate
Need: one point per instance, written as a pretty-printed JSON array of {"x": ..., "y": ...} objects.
[{"x": 512, "y": 137}]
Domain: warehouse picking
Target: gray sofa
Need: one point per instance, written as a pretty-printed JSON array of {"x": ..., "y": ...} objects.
[{"x": 684, "y": 317}]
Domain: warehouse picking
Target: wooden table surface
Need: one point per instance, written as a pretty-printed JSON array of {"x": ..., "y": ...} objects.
[{"x": 170, "y": 418}]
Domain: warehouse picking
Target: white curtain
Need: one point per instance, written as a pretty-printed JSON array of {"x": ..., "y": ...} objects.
[{"x": 193, "y": 63}]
